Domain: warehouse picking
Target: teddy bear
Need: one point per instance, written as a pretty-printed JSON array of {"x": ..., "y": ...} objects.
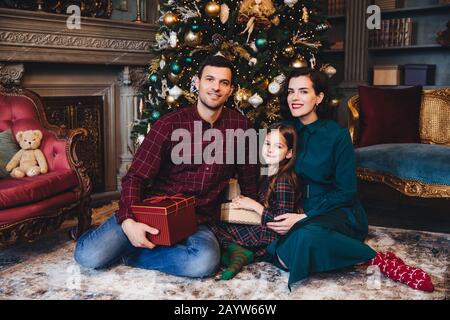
[{"x": 29, "y": 160}]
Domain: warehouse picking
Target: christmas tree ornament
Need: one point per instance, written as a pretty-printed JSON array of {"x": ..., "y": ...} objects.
[
  {"x": 329, "y": 70},
  {"x": 252, "y": 62},
  {"x": 255, "y": 14},
  {"x": 155, "y": 114},
  {"x": 289, "y": 51},
  {"x": 255, "y": 100},
  {"x": 171, "y": 101},
  {"x": 170, "y": 19},
  {"x": 290, "y": 3},
  {"x": 195, "y": 27},
  {"x": 188, "y": 60},
  {"x": 175, "y": 68},
  {"x": 280, "y": 78},
  {"x": 162, "y": 62},
  {"x": 153, "y": 77},
  {"x": 175, "y": 92},
  {"x": 335, "y": 103},
  {"x": 224, "y": 13},
  {"x": 274, "y": 87},
  {"x": 322, "y": 27},
  {"x": 305, "y": 15},
  {"x": 173, "y": 40},
  {"x": 252, "y": 45},
  {"x": 241, "y": 96},
  {"x": 299, "y": 62},
  {"x": 261, "y": 42},
  {"x": 275, "y": 20},
  {"x": 174, "y": 78},
  {"x": 193, "y": 39},
  {"x": 212, "y": 9}
]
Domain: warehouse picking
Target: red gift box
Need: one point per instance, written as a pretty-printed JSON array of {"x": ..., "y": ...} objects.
[{"x": 173, "y": 216}]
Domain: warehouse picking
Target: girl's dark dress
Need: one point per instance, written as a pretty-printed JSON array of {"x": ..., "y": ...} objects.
[{"x": 257, "y": 238}]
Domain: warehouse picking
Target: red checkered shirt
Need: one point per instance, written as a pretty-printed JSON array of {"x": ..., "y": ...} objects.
[
  {"x": 257, "y": 238},
  {"x": 152, "y": 171}
]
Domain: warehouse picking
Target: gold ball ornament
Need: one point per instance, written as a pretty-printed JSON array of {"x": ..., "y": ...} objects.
[
  {"x": 172, "y": 102},
  {"x": 299, "y": 62},
  {"x": 276, "y": 20},
  {"x": 193, "y": 39},
  {"x": 212, "y": 9},
  {"x": 241, "y": 96},
  {"x": 289, "y": 51},
  {"x": 170, "y": 19}
]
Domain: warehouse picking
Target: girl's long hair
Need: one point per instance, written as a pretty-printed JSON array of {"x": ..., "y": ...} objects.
[{"x": 286, "y": 166}]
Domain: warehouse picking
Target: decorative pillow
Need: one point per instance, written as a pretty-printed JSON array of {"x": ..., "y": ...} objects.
[
  {"x": 389, "y": 115},
  {"x": 8, "y": 148}
]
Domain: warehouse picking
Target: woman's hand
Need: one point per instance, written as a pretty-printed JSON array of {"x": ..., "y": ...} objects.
[
  {"x": 284, "y": 222},
  {"x": 248, "y": 204}
]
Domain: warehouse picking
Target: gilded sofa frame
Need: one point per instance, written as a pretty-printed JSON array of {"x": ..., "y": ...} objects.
[
  {"x": 429, "y": 134},
  {"x": 30, "y": 229}
]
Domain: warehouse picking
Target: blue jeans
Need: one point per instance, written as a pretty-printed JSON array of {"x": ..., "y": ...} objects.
[{"x": 196, "y": 257}]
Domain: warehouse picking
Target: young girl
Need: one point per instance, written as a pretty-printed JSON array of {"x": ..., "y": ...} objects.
[{"x": 279, "y": 194}]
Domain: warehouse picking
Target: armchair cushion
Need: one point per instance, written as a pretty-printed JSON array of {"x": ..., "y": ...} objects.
[
  {"x": 424, "y": 163},
  {"x": 389, "y": 115},
  {"x": 17, "y": 192},
  {"x": 8, "y": 148}
]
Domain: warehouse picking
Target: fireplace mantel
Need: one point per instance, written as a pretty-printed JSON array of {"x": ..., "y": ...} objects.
[{"x": 29, "y": 36}]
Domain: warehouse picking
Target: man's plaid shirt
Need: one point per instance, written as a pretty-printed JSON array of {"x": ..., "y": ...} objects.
[{"x": 152, "y": 171}]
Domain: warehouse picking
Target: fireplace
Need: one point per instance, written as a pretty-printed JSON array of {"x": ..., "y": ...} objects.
[
  {"x": 88, "y": 78},
  {"x": 83, "y": 112}
]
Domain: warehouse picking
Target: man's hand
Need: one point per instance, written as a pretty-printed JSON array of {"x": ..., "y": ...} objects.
[
  {"x": 284, "y": 222},
  {"x": 137, "y": 233}
]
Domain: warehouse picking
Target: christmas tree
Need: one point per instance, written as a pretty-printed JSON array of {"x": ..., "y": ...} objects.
[{"x": 263, "y": 38}]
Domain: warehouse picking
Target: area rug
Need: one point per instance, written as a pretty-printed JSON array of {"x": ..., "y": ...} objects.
[{"x": 46, "y": 270}]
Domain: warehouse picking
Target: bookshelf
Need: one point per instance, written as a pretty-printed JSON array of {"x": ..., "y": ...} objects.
[
  {"x": 356, "y": 60},
  {"x": 428, "y": 18}
]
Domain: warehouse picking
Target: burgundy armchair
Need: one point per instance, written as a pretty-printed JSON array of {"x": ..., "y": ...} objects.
[{"x": 32, "y": 206}]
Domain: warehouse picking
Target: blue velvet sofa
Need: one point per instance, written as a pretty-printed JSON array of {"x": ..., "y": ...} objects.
[{"x": 415, "y": 169}]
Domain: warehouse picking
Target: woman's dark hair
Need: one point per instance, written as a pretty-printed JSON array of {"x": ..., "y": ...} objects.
[
  {"x": 320, "y": 84},
  {"x": 216, "y": 61},
  {"x": 286, "y": 167}
]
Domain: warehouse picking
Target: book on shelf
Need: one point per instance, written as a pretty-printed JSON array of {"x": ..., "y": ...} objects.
[
  {"x": 393, "y": 33},
  {"x": 389, "y": 4}
]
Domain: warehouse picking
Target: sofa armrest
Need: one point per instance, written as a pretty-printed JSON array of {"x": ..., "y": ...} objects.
[{"x": 353, "y": 106}]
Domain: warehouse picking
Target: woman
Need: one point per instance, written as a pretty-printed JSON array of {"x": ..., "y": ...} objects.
[{"x": 330, "y": 233}]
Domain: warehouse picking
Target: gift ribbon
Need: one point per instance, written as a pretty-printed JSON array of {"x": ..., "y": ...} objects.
[{"x": 157, "y": 199}]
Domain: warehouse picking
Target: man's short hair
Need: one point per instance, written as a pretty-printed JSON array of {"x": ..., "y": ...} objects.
[{"x": 216, "y": 61}]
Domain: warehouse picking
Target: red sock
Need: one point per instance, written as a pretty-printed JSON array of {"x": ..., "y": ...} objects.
[{"x": 394, "y": 268}]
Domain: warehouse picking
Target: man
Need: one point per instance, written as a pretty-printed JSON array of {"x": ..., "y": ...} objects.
[{"x": 122, "y": 238}]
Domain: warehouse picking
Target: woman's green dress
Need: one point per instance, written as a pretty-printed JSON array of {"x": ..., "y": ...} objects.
[{"x": 332, "y": 235}]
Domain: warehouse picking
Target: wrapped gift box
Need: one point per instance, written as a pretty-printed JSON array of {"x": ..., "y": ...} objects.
[
  {"x": 419, "y": 74},
  {"x": 173, "y": 216},
  {"x": 233, "y": 190},
  {"x": 231, "y": 214},
  {"x": 387, "y": 75}
]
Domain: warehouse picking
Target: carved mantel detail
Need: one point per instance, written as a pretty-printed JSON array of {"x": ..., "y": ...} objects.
[
  {"x": 67, "y": 41},
  {"x": 30, "y": 36},
  {"x": 11, "y": 73}
]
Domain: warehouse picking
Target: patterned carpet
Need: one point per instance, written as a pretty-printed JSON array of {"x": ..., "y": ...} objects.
[{"x": 46, "y": 270}]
